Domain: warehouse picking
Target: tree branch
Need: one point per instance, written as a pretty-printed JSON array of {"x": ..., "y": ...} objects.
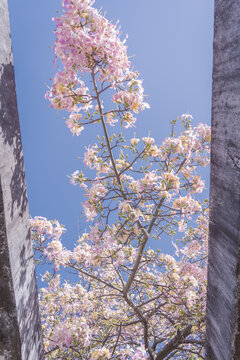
[{"x": 173, "y": 344}]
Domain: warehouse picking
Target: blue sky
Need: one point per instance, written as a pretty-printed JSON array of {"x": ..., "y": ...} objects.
[{"x": 172, "y": 44}]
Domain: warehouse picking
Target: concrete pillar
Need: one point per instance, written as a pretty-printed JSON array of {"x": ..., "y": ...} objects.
[
  {"x": 223, "y": 295},
  {"x": 20, "y": 329}
]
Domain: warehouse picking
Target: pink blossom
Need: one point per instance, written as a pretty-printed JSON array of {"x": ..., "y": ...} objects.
[
  {"x": 129, "y": 119},
  {"x": 96, "y": 191},
  {"x": 134, "y": 141},
  {"x": 90, "y": 157},
  {"x": 172, "y": 180},
  {"x": 74, "y": 177},
  {"x": 74, "y": 125},
  {"x": 197, "y": 184},
  {"x": 111, "y": 120},
  {"x": 89, "y": 210},
  {"x": 46, "y": 229},
  {"x": 148, "y": 140},
  {"x": 187, "y": 205},
  {"x": 150, "y": 179},
  {"x": 140, "y": 354}
]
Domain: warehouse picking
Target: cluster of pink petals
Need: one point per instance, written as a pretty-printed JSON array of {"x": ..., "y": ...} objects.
[
  {"x": 105, "y": 256},
  {"x": 101, "y": 354},
  {"x": 204, "y": 131},
  {"x": 197, "y": 274},
  {"x": 96, "y": 192},
  {"x": 189, "y": 144},
  {"x": 73, "y": 123},
  {"x": 197, "y": 239},
  {"x": 46, "y": 229},
  {"x": 64, "y": 323},
  {"x": 129, "y": 119},
  {"x": 74, "y": 177},
  {"x": 83, "y": 254},
  {"x": 89, "y": 210},
  {"x": 130, "y": 100},
  {"x": 57, "y": 254},
  {"x": 137, "y": 186},
  {"x": 67, "y": 331},
  {"x": 150, "y": 179},
  {"x": 90, "y": 157},
  {"x": 86, "y": 42},
  {"x": 187, "y": 205},
  {"x": 148, "y": 140},
  {"x": 140, "y": 354},
  {"x": 172, "y": 180},
  {"x": 68, "y": 92},
  {"x": 84, "y": 38},
  {"x": 111, "y": 120},
  {"x": 197, "y": 184}
]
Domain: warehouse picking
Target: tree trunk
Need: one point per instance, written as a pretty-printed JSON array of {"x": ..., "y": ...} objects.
[
  {"x": 222, "y": 331},
  {"x": 20, "y": 329}
]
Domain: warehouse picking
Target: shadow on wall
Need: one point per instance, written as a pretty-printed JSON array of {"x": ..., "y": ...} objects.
[
  {"x": 20, "y": 325},
  {"x": 11, "y": 134},
  {"x": 10, "y": 346}
]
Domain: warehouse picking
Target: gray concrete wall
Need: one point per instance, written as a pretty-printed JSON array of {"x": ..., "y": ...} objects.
[
  {"x": 20, "y": 330},
  {"x": 223, "y": 342}
]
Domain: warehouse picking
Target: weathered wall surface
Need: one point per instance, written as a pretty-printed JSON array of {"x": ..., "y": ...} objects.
[
  {"x": 20, "y": 332},
  {"x": 223, "y": 300}
]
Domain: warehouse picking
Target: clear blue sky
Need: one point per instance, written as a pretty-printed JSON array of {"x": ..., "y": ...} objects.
[{"x": 172, "y": 44}]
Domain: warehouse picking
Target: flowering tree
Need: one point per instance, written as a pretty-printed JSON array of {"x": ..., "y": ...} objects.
[{"x": 130, "y": 301}]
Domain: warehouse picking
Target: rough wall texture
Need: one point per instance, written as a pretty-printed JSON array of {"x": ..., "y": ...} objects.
[
  {"x": 20, "y": 332},
  {"x": 223, "y": 306}
]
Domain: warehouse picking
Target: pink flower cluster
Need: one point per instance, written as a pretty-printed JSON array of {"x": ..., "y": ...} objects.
[
  {"x": 57, "y": 254},
  {"x": 87, "y": 43},
  {"x": 84, "y": 39},
  {"x": 187, "y": 205},
  {"x": 68, "y": 92},
  {"x": 73, "y": 123},
  {"x": 131, "y": 100},
  {"x": 128, "y": 295},
  {"x": 90, "y": 157},
  {"x": 46, "y": 229}
]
